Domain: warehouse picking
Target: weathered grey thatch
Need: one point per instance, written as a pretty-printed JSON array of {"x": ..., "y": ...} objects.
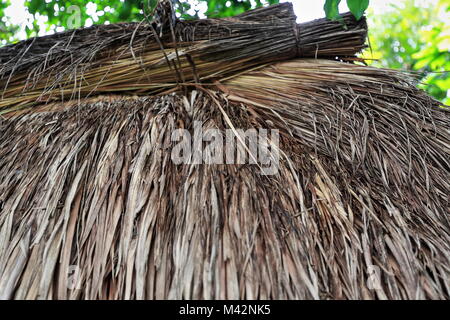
[{"x": 363, "y": 185}]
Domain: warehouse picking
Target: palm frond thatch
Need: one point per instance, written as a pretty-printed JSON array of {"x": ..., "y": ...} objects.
[
  {"x": 131, "y": 58},
  {"x": 93, "y": 207},
  {"x": 363, "y": 183}
]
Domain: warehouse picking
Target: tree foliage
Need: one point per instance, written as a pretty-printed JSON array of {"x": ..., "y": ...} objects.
[
  {"x": 415, "y": 38},
  {"x": 7, "y": 30}
]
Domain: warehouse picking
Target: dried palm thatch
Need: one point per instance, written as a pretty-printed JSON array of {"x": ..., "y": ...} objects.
[
  {"x": 89, "y": 186},
  {"x": 129, "y": 57}
]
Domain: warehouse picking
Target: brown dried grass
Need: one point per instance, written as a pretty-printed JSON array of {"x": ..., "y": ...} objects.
[
  {"x": 364, "y": 181},
  {"x": 86, "y": 177},
  {"x": 132, "y": 59}
]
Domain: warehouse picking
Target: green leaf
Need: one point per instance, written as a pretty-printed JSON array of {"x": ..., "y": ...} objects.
[
  {"x": 152, "y": 4},
  {"x": 423, "y": 62},
  {"x": 35, "y": 5},
  {"x": 331, "y": 8},
  {"x": 358, "y": 7},
  {"x": 125, "y": 11}
]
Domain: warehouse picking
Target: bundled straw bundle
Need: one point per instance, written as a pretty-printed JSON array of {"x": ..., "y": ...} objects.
[
  {"x": 131, "y": 57},
  {"x": 93, "y": 207}
]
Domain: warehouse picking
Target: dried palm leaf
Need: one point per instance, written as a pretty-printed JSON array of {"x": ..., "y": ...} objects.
[
  {"x": 132, "y": 59},
  {"x": 92, "y": 206}
]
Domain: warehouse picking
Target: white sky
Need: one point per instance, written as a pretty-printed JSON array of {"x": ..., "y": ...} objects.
[{"x": 305, "y": 9}]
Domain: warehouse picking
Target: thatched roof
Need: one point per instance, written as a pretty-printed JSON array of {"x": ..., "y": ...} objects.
[
  {"x": 359, "y": 208},
  {"x": 131, "y": 58}
]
